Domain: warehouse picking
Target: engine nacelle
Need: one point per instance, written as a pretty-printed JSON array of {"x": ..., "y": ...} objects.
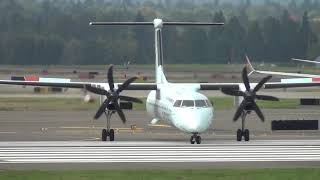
[
  {"x": 123, "y": 105},
  {"x": 126, "y": 105}
]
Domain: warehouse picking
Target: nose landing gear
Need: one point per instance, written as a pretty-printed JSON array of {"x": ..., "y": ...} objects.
[
  {"x": 108, "y": 132},
  {"x": 195, "y": 138},
  {"x": 243, "y": 132}
]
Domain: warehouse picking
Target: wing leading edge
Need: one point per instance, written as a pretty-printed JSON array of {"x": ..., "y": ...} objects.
[
  {"x": 271, "y": 85},
  {"x": 153, "y": 86},
  {"x": 79, "y": 85}
]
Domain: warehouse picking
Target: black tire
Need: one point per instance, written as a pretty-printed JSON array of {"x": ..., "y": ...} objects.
[
  {"x": 104, "y": 135},
  {"x": 191, "y": 140},
  {"x": 246, "y": 135},
  {"x": 111, "y": 135},
  {"x": 239, "y": 135},
  {"x": 198, "y": 139}
]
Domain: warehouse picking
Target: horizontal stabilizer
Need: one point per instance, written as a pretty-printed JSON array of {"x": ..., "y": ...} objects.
[{"x": 152, "y": 23}]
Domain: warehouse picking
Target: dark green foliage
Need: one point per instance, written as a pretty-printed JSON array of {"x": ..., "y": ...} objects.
[
  {"x": 255, "y": 41},
  {"x": 272, "y": 35},
  {"x": 57, "y": 32}
]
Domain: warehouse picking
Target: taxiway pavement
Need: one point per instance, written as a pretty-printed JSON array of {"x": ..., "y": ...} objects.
[
  {"x": 79, "y": 125},
  {"x": 71, "y": 140}
]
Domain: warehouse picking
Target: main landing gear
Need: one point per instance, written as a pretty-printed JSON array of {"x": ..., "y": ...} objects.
[
  {"x": 108, "y": 132},
  {"x": 243, "y": 132},
  {"x": 195, "y": 138}
]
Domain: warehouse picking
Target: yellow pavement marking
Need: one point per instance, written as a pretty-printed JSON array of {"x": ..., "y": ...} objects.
[{"x": 159, "y": 125}]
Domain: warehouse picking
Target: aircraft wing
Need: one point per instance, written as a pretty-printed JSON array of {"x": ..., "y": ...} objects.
[
  {"x": 252, "y": 70},
  {"x": 218, "y": 86},
  {"x": 153, "y": 86},
  {"x": 271, "y": 85},
  {"x": 304, "y": 60},
  {"x": 287, "y": 74},
  {"x": 79, "y": 85},
  {"x": 277, "y": 85}
]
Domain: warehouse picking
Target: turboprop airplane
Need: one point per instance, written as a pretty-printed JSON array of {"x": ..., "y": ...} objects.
[
  {"x": 304, "y": 60},
  {"x": 253, "y": 70},
  {"x": 179, "y": 104}
]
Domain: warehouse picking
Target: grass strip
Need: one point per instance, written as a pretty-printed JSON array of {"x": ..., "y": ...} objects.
[
  {"x": 217, "y": 174},
  {"x": 74, "y": 104}
]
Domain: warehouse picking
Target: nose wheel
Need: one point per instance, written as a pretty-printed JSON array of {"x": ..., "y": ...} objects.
[
  {"x": 195, "y": 138},
  {"x": 108, "y": 132},
  {"x": 243, "y": 132},
  {"x": 105, "y": 134}
]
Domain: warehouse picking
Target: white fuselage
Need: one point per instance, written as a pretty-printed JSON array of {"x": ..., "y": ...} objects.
[{"x": 185, "y": 109}]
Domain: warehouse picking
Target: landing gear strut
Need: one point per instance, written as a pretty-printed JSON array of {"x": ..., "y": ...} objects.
[
  {"x": 195, "y": 138},
  {"x": 108, "y": 132},
  {"x": 243, "y": 132}
]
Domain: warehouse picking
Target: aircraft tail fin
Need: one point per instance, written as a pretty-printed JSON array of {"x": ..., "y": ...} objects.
[
  {"x": 249, "y": 66},
  {"x": 160, "y": 77},
  {"x": 157, "y": 24}
]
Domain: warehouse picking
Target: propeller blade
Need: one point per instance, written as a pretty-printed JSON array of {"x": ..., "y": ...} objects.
[
  {"x": 131, "y": 99},
  {"x": 245, "y": 79},
  {"x": 258, "y": 111},
  {"x": 267, "y": 98},
  {"x": 232, "y": 92},
  {"x": 110, "y": 78},
  {"x": 96, "y": 90},
  {"x": 239, "y": 111},
  {"x": 120, "y": 112},
  {"x": 126, "y": 84},
  {"x": 261, "y": 83},
  {"x": 102, "y": 108}
]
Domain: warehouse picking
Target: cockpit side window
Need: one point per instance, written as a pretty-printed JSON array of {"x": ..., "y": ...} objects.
[
  {"x": 177, "y": 103},
  {"x": 209, "y": 103},
  {"x": 200, "y": 103},
  {"x": 187, "y": 103}
]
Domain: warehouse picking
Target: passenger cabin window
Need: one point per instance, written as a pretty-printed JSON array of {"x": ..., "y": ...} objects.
[
  {"x": 177, "y": 103},
  {"x": 187, "y": 103},
  {"x": 201, "y": 103}
]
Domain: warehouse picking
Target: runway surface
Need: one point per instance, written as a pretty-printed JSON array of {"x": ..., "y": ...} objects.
[{"x": 127, "y": 153}]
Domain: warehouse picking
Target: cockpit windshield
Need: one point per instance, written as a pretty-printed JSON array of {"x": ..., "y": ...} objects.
[
  {"x": 187, "y": 103},
  {"x": 177, "y": 103},
  {"x": 201, "y": 103},
  {"x": 209, "y": 103},
  {"x": 192, "y": 103}
]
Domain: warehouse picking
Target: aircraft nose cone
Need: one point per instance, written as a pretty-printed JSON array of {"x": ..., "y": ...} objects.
[
  {"x": 193, "y": 124},
  {"x": 196, "y": 122}
]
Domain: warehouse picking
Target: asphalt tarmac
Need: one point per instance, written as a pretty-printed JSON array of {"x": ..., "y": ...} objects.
[
  {"x": 34, "y": 140},
  {"x": 79, "y": 125}
]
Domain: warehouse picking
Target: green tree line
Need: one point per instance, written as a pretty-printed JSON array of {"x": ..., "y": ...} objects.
[{"x": 58, "y": 31}]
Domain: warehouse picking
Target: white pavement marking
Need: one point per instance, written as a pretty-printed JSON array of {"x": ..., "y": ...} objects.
[{"x": 104, "y": 152}]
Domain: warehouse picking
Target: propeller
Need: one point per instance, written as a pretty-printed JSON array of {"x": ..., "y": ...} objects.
[
  {"x": 249, "y": 96},
  {"x": 113, "y": 95}
]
